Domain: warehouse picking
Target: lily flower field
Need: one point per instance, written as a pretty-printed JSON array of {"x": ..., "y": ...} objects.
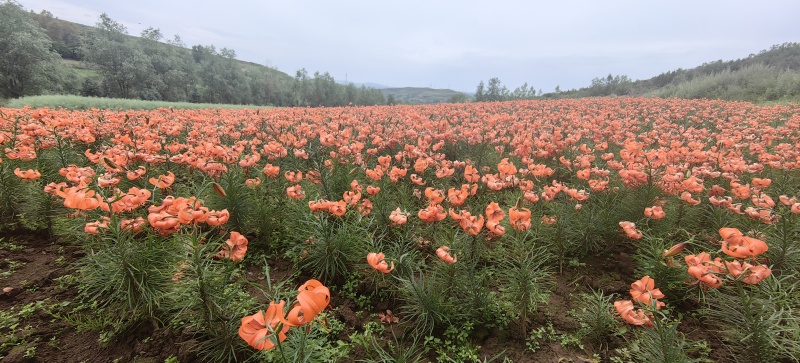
[{"x": 604, "y": 230}]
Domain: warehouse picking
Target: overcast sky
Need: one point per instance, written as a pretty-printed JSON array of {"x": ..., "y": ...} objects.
[{"x": 456, "y": 44}]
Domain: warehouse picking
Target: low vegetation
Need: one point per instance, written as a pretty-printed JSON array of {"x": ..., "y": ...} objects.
[{"x": 73, "y": 102}]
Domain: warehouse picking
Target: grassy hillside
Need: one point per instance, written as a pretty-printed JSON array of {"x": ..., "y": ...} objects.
[
  {"x": 771, "y": 75},
  {"x": 105, "y": 61},
  {"x": 421, "y": 95}
]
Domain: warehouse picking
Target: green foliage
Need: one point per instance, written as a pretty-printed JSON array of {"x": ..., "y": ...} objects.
[
  {"x": 126, "y": 274},
  {"x": 663, "y": 345},
  {"x": 761, "y": 321},
  {"x": 395, "y": 351},
  {"x": 206, "y": 298},
  {"x": 755, "y": 83},
  {"x": 525, "y": 281},
  {"x": 10, "y": 194},
  {"x": 422, "y": 95},
  {"x": 425, "y": 304},
  {"x": 36, "y": 208},
  {"x": 784, "y": 252},
  {"x": 332, "y": 246},
  {"x": 306, "y": 346},
  {"x": 456, "y": 345},
  {"x": 593, "y": 313},
  {"x": 27, "y": 64}
]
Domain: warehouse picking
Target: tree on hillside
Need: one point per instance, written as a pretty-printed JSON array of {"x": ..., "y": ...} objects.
[
  {"x": 28, "y": 65},
  {"x": 66, "y": 37},
  {"x": 458, "y": 98},
  {"x": 126, "y": 69},
  {"x": 495, "y": 91},
  {"x": 480, "y": 96}
]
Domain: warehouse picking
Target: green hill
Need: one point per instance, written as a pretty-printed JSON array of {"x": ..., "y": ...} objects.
[
  {"x": 422, "y": 95},
  {"x": 105, "y": 61},
  {"x": 770, "y": 75}
]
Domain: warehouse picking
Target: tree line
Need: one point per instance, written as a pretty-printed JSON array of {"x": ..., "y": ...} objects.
[{"x": 105, "y": 61}]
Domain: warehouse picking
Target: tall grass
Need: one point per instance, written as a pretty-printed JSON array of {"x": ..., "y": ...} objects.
[{"x": 83, "y": 103}]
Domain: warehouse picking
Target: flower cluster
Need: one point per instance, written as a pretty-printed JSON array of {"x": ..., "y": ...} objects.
[
  {"x": 708, "y": 272},
  {"x": 643, "y": 292},
  {"x": 265, "y": 330}
]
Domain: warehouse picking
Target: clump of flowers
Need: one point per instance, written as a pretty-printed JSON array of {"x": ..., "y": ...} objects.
[
  {"x": 378, "y": 262},
  {"x": 630, "y": 230},
  {"x": 266, "y": 330},
  {"x": 642, "y": 291},
  {"x": 707, "y": 272}
]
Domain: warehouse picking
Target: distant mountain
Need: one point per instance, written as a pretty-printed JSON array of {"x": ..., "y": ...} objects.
[
  {"x": 424, "y": 95},
  {"x": 367, "y": 84}
]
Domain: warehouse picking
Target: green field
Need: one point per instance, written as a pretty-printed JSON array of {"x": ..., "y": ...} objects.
[{"x": 73, "y": 102}]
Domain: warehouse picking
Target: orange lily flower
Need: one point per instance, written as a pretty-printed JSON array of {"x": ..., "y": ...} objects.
[
  {"x": 365, "y": 207},
  {"x": 687, "y": 197},
  {"x": 271, "y": 171},
  {"x": 378, "y": 262},
  {"x": 293, "y": 177},
  {"x": 81, "y": 198},
  {"x": 630, "y": 230},
  {"x": 137, "y": 173},
  {"x": 752, "y": 274},
  {"x": 634, "y": 317},
  {"x": 444, "y": 255},
  {"x": 457, "y": 197},
  {"x": 295, "y": 192},
  {"x": 312, "y": 299},
  {"x": 163, "y": 222},
  {"x": 27, "y": 174},
  {"x": 471, "y": 174},
  {"x": 506, "y": 167},
  {"x": 761, "y": 183},
  {"x": 644, "y": 291},
  {"x": 654, "y": 212},
  {"x": 703, "y": 270},
  {"x": 253, "y": 182},
  {"x": 494, "y": 213},
  {"x": 163, "y": 181},
  {"x": 216, "y": 218},
  {"x": 417, "y": 179},
  {"x": 134, "y": 225},
  {"x": 338, "y": 208},
  {"x": 737, "y": 245},
  {"x": 235, "y": 247},
  {"x": 469, "y": 223},
  {"x": 257, "y": 329},
  {"x": 355, "y": 186},
  {"x": 96, "y": 226},
  {"x": 435, "y": 196},
  {"x": 398, "y": 217},
  {"x": 549, "y": 220},
  {"x": 531, "y": 196},
  {"x": 351, "y": 198},
  {"x": 397, "y": 173},
  {"x": 520, "y": 218},
  {"x": 107, "y": 180},
  {"x": 785, "y": 200},
  {"x": 432, "y": 213}
]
